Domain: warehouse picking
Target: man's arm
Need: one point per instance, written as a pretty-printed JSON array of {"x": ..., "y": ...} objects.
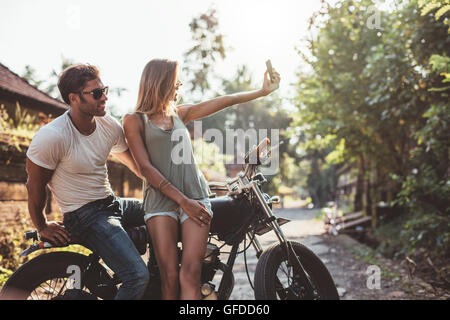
[
  {"x": 127, "y": 159},
  {"x": 38, "y": 177}
]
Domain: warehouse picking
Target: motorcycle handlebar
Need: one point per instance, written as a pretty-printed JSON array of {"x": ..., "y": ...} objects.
[{"x": 31, "y": 235}]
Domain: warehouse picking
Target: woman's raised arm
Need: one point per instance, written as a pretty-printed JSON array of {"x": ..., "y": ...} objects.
[{"x": 193, "y": 112}]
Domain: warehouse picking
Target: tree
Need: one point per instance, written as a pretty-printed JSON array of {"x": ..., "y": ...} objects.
[
  {"x": 207, "y": 49},
  {"x": 30, "y": 75},
  {"x": 378, "y": 100},
  {"x": 51, "y": 85}
]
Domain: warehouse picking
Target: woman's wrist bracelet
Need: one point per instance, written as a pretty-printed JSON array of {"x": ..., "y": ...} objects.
[{"x": 163, "y": 183}]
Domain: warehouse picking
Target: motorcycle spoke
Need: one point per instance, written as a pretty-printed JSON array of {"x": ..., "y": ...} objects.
[
  {"x": 55, "y": 281},
  {"x": 287, "y": 289},
  {"x": 36, "y": 293},
  {"x": 285, "y": 271},
  {"x": 31, "y": 296},
  {"x": 283, "y": 288},
  {"x": 63, "y": 287},
  {"x": 289, "y": 274},
  {"x": 48, "y": 289}
]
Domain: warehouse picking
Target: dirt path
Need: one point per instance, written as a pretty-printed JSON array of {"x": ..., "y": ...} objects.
[{"x": 353, "y": 266}]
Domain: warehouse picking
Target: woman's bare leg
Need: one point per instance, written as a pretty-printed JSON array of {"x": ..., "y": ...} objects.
[
  {"x": 194, "y": 240},
  {"x": 164, "y": 233}
]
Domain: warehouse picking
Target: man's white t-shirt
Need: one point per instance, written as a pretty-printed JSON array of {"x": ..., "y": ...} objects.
[{"x": 79, "y": 162}]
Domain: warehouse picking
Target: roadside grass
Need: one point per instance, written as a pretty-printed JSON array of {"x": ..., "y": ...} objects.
[{"x": 372, "y": 257}]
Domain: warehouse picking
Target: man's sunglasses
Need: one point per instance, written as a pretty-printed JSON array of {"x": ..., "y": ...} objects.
[{"x": 97, "y": 93}]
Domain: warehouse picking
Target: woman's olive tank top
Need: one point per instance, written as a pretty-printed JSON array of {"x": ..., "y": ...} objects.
[{"x": 170, "y": 151}]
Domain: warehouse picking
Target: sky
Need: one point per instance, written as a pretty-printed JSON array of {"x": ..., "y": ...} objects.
[{"x": 120, "y": 37}]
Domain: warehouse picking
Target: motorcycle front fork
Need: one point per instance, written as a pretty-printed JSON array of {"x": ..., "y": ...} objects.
[{"x": 293, "y": 260}]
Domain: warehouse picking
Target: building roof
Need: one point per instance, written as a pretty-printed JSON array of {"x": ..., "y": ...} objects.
[{"x": 13, "y": 84}]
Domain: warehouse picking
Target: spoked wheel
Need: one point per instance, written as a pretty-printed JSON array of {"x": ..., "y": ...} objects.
[
  {"x": 60, "y": 289},
  {"x": 275, "y": 277},
  {"x": 51, "y": 276},
  {"x": 287, "y": 285}
]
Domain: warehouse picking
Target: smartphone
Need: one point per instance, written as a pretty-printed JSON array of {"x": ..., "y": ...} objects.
[{"x": 269, "y": 68}]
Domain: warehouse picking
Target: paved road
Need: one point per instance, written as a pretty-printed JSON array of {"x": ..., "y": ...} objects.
[
  {"x": 349, "y": 273},
  {"x": 303, "y": 228}
]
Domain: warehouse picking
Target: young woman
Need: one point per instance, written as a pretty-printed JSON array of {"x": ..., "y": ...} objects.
[{"x": 175, "y": 195}]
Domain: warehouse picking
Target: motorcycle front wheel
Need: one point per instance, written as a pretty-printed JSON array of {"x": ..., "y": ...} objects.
[{"x": 275, "y": 278}]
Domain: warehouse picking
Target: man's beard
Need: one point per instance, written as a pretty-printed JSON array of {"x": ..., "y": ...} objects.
[{"x": 98, "y": 111}]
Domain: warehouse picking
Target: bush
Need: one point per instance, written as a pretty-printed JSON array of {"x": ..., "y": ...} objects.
[{"x": 12, "y": 244}]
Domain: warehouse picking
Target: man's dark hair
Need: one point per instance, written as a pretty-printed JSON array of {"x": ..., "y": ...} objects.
[{"x": 74, "y": 79}]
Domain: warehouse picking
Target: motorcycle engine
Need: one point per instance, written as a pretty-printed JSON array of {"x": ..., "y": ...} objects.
[{"x": 210, "y": 267}]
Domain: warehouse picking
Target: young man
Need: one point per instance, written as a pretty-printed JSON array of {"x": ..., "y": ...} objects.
[{"x": 69, "y": 155}]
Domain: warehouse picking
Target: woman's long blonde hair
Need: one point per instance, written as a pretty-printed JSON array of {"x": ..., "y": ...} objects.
[{"x": 157, "y": 87}]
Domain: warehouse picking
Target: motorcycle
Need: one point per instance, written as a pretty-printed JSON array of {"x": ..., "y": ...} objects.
[{"x": 286, "y": 270}]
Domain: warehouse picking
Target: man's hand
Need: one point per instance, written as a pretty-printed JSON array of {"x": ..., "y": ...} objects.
[{"x": 55, "y": 233}]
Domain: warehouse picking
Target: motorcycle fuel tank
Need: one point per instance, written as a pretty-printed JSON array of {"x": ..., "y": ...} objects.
[{"x": 229, "y": 214}]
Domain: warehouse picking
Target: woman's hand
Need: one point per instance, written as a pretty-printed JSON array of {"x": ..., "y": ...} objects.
[
  {"x": 269, "y": 86},
  {"x": 196, "y": 211}
]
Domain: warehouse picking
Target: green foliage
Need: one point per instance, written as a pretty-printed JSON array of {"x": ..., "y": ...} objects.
[
  {"x": 427, "y": 6},
  {"x": 30, "y": 75},
  {"x": 371, "y": 257},
  {"x": 4, "y": 275},
  {"x": 208, "y": 47},
  {"x": 441, "y": 65},
  {"x": 419, "y": 236},
  {"x": 12, "y": 244},
  {"x": 426, "y": 230},
  {"x": 265, "y": 113},
  {"x": 337, "y": 155},
  {"x": 19, "y": 129},
  {"x": 50, "y": 86},
  {"x": 261, "y": 114},
  {"x": 22, "y": 123},
  {"x": 379, "y": 98},
  {"x": 208, "y": 156}
]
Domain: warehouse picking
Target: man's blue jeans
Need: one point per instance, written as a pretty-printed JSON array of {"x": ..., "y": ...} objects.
[{"x": 100, "y": 226}]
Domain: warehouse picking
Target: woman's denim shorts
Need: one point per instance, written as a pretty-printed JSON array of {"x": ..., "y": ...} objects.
[{"x": 179, "y": 215}]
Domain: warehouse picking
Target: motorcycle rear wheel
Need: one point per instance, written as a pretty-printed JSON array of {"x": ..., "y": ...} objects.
[
  {"x": 45, "y": 278},
  {"x": 274, "y": 278}
]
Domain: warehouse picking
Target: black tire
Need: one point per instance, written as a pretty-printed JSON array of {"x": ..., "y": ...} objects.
[
  {"x": 269, "y": 264},
  {"x": 33, "y": 277}
]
